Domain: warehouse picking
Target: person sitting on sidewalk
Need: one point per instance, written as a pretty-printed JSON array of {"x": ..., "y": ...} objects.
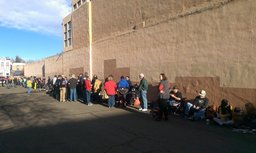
[
  {"x": 175, "y": 96},
  {"x": 196, "y": 110},
  {"x": 224, "y": 113}
]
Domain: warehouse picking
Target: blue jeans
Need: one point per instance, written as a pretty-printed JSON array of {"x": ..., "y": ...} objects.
[
  {"x": 111, "y": 100},
  {"x": 28, "y": 90},
  {"x": 87, "y": 96},
  {"x": 144, "y": 101},
  {"x": 187, "y": 108},
  {"x": 173, "y": 103},
  {"x": 199, "y": 115},
  {"x": 73, "y": 94}
]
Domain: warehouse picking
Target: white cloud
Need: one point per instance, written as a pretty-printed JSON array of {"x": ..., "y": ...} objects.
[{"x": 44, "y": 16}]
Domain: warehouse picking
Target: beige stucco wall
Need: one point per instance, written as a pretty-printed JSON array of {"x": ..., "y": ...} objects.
[
  {"x": 185, "y": 39},
  {"x": 34, "y": 69},
  {"x": 216, "y": 42},
  {"x": 80, "y": 27}
]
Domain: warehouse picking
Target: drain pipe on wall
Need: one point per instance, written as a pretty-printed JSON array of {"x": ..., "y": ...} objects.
[{"x": 90, "y": 37}]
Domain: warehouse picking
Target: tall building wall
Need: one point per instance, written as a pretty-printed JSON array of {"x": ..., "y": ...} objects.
[
  {"x": 216, "y": 42},
  {"x": 113, "y": 17},
  {"x": 80, "y": 27},
  {"x": 34, "y": 69},
  {"x": 199, "y": 44}
]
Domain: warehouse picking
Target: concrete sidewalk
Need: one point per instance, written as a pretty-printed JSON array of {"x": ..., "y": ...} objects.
[{"x": 40, "y": 124}]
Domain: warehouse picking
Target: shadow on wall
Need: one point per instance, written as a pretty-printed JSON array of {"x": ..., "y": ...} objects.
[
  {"x": 190, "y": 86},
  {"x": 111, "y": 68},
  {"x": 76, "y": 71},
  {"x": 43, "y": 70}
]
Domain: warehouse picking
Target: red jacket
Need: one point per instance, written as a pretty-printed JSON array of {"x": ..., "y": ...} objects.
[
  {"x": 110, "y": 87},
  {"x": 87, "y": 85}
]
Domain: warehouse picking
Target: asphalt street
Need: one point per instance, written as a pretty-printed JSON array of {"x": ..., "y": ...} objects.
[{"x": 40, "y": 124}]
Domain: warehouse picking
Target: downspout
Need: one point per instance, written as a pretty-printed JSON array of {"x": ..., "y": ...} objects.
[{"x": 90, "y": 37}]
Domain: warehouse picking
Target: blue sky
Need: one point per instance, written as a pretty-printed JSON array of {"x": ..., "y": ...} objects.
[{"x": 32, "y": 29}]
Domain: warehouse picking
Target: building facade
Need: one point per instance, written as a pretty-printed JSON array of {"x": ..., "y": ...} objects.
[
  {"x": 18, "y": 69},
  {"x": 203, "y": 44},
  {"x": 5, "y": 67}
]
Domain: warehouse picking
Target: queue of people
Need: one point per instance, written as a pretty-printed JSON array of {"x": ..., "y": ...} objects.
[
  {"x": 37, "y": 83},
  {"x": 123, "y": 93}
]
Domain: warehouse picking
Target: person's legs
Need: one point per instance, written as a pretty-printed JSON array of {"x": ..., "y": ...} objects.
[
  {"x": 109, "y": 101},
  {"x": 199, "y": 114},
  {"x": 165, "y": 108},
  {"x": 88, "y": 97},
  {"x": 84, "y": 95},
  {"x": 144, "y": 98},
  {"x": 75, "y": 94},
  {"x": 72, "y": 95},
  {"x": 28, "y": 91},
  {"x": 187, "y": 108},
  {"x": 64, "y": 94},
  {"x": 113, "y": 101},
  {"x": 55, "y": 92},
  {"x": 61, "y": 94},
  {"x": 160, "y": 104}
]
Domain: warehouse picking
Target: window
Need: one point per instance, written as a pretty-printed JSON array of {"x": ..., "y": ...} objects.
[
  {"x": 66, "y": 43},
  {"x": 7, "y": 65},
  {"x": 2, "y": 64},
  {"x": 83, "y": 1},
  {"x": 65, "y": 27},
  {"x": 69, "y": 34},
  {"x": 75, "y": 6},
  {"x": 69, "y": 25},
  {"x": 79, "y": 3},
  {"x": 65, "y": 35},
  {"x": 69, "y": 42},
  {"x": 7, "y": 74}
]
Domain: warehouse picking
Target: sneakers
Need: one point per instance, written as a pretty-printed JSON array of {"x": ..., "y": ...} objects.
[
  {"x": 90, "y": 104},
  {"x": 144, "y": 110},
  {"x": 140, "y": 109}
]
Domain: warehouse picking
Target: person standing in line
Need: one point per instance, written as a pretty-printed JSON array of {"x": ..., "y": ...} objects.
[
  {"x": 87, "y": 90},
  {"x": 110, "y": 88},
  {"x": 29, "y": 86},
  {"x": 143, "y": 88},
  {"x": 80, "y": 86},
  {"x": 72, "y": 87},
  {"x": 163, "y": 97},
  {"x": 129, "y": 82},
  {"x": 96, "y": 88},
  {"x": 63, "y": 85}
]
